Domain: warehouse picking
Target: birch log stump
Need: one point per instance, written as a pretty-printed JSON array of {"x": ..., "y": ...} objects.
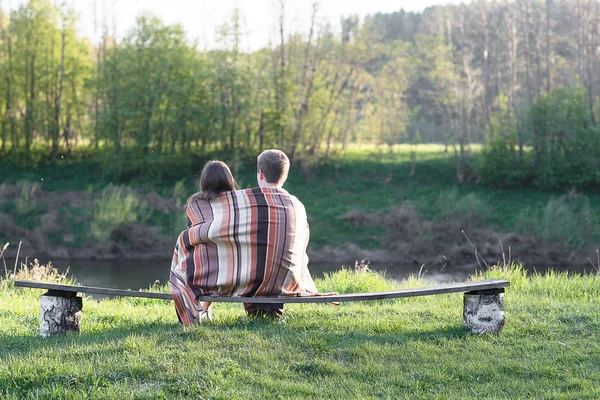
[
  {"x": 484, "y": 311},
  {"x": 59, "y": 314}
]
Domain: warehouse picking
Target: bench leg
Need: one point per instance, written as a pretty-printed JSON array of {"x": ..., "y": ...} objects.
[
  {"x": 60, "y": 312},
  {"x": 484, "y": 311}
]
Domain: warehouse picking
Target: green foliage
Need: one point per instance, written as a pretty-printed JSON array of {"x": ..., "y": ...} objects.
[
  {"x": 501, "y": 164},
  {"x": 117, "y": 206},
  {"x": 25, "y": 207},
  {"x": 133, "y": 168},
  {"x": 180, "y": 193},
  {"x": 33, "y": 48},
  {"x": 26, "y": 203},
  {"x": 471, "y": 207},
  {"x": 565, "y": 146},
  {"x": 567, "y": 220}
]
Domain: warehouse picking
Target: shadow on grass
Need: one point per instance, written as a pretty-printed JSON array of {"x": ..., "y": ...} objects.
[
  {"x": 25, "y": 343},
  {"x": 288, "y": 334},
  {"x": 164, "y": 339}
]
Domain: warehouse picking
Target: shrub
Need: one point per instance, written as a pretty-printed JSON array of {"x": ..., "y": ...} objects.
[
  {"x": 36, "y": 272},
  {"x": 25, "y": 203},
  {"x": 567, "y": 220},
  {"x": 180, "y": 193},
  {"x": 564, "y": 146},
  {"x": 471, "y": 207},
  {"x": 131, "y": 167},
  {"x": 501, "y": 164},
  {"x": 117, "y": 206}
]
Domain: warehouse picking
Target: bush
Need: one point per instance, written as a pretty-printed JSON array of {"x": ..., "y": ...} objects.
[
  {"x": 25, "y": 202},
  {"x": 563, "y": 147},
  {"x": 501, "y": 165},
  {"x": 131, "y": 167},
  {"x": 471, "y": 207},
  {"x": 117, "y": 206},
  {"x": 567, "y": 220}
]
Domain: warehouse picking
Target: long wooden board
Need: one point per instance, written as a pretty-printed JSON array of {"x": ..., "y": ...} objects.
[{"x": 489, "y": 284}]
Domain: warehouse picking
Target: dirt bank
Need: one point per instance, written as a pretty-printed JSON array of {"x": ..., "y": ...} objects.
[
  {"x": 51, "y": 225},
  {"x": 455, "y": 243}
]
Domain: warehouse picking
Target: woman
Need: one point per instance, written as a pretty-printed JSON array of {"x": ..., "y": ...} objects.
[{"x": 216, "y": 178}]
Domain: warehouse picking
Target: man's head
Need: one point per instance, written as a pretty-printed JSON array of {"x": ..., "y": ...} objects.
[{"x": 272, "y": 168}]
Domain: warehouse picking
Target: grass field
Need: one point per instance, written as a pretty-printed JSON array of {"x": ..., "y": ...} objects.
[{"x": 403, "y": 349}]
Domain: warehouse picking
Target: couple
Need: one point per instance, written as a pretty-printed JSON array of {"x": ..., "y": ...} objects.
[{"x": 248, "y": 242}]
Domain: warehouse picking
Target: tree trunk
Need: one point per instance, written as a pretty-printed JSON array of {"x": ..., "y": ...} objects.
[
  {"x": 580, "y": 46},
  {"x": 308, "y": 77},
  {"x": 6, "y": 108},
  {"x": 282, "y": 88},
  {"x": 59, "y": 314},
  {"x": 548, "y": 49},
  {"x": 589, "y": 59},
  {"x": 58, "y": 102},
  {"x": 30, "y": 104},
  {"x": 483, "y": 311},
  {"x": 488, "y": 95}
]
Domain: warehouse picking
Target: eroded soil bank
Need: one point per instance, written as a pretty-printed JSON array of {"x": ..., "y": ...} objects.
[{"x": 55, "y": 225}]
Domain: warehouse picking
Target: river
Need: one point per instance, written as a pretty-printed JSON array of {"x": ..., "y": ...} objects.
[
  {"x": 136, "y": 275},
  {"x": 141, "y": 274}
]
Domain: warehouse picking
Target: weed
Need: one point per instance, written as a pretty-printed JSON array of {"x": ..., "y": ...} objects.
[
  {"x": 25, "y": 203},
  {"x": 471, "y": 207},
  {"x": 596, "y": 265},
  {"x": 117, "y": 206},
  {"x": 179, "y": 193},
  {"x": 566, "y": 220},
  {"x": 355, "y": 280},
  {"x": 41, "y": 273}
]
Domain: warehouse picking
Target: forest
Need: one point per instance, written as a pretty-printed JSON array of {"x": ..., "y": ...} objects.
[
  {"x": 521, "y": 77},
  {"x": 414, "y": 129}
]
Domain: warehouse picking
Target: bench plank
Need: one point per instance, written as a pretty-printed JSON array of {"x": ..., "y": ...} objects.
[{"x": 489, "y": 284}]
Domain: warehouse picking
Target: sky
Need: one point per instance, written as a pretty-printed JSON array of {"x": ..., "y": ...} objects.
[{"x": 201, "y": 18}]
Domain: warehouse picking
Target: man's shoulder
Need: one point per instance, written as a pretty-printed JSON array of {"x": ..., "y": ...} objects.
[
  {"x": 280, "y": 191},
  {"x": 297, "y": 203}
]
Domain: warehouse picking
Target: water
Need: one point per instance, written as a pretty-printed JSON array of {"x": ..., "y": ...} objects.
[{"x": 136, "y": 275}]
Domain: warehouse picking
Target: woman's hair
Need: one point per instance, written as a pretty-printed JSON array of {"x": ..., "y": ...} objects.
[{"x": 216, "y": 178}]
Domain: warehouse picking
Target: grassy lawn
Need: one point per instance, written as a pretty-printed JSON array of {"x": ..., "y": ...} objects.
[{"x": 409, "y": 348}]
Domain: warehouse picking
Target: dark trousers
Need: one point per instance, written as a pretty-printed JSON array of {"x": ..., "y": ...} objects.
[{"x": 271, "y": 310}]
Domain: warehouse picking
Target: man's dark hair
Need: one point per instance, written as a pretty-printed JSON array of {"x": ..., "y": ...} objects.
[{"x": 275, "y": 165}]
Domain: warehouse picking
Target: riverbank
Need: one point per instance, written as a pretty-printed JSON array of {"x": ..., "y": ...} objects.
[
  {"x": 364, "y": 205},
  {"x": 55, "y": 226},
  {"x": 409, "y": 348}
]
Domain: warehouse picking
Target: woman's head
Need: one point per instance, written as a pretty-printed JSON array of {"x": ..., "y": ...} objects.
[{"x": 216, "y": 178}]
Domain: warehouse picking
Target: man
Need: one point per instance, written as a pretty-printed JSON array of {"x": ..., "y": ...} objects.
[
  {"x": 246, "y": 243},
  {"x": 272, "y": 171}
]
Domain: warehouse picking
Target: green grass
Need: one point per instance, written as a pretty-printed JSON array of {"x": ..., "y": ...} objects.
[
  {"x": 365, "y": 177},
  {"x": 409, "y": 348}
]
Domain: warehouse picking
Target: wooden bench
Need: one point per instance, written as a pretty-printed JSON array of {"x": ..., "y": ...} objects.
[{"x": 483, "y": 312}]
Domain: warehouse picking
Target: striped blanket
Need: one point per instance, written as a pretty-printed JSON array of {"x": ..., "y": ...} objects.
[{"x": 243, "y": 243}]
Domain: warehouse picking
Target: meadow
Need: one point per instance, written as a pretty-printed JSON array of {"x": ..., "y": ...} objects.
[{"x": 399, "y": 349}]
